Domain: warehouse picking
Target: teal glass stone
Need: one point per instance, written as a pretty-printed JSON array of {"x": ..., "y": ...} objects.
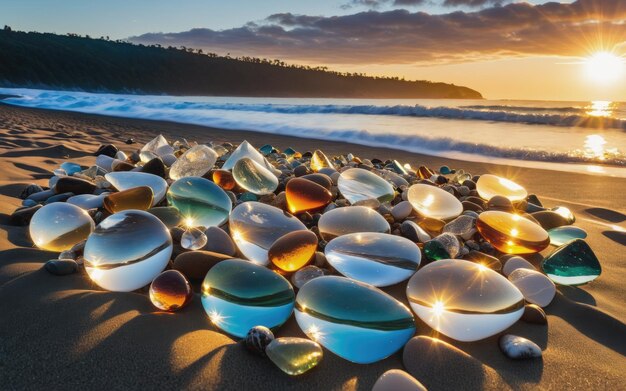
[
  {"x": 247, "y": 196},
  {"x": 266, "y": 149},
  {"x": 573, "y": 263},
  {"x": 200, "y": 201},
  {"x": 289, "y": 151},
  {"x": 354, "y": 320},
  {"x": 238, "y": 295},
  {"x": 445, "y": 170},
  {"x": 562, "y": 235}
]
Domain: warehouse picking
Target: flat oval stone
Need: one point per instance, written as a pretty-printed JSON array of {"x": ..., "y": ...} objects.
[
  {"x": 294, "y": 250},
  {"x": 219, "y": 241},
  {"x": 255, "y": 227},
  {"x": 61, "y": 267},
  {"x": 573, "y": 263},
  {"x": 511, "y": 233},
  {"x": 127, "y": 250},
  {"x": 464, "y": 300},
  {"x": 433, "y": 202},
  {"x": 59, "y": 226},
  {"x": 549, "y": 219},
  {"x": 254, "y": 177},
  {"x": 74, "y": 185},
  {"x": 518, "y": 348},
  {"x": 489, "y": 185},
  {"x": 200, "y": 201},
  {"x": 357, "y": 184},
  {"x": 374, "y": 258},
  {"x": 169, "y": 215},
  {"x": 535, "y": 286},
  {"x": 125, "y": 180},
  {"x": 87, "y": 201},
  {"x": 136, "y": 198},
  {"x": 397, "y": 380},
  {"x": 294, "y": 356},
  {"x": 238, "y": 295},
  {"x": 514, "y": 263},
  {"x": 354, "y": 320},
  {"x": 196, "y": 161},
  {"x": 562, "y": 235},
  {"x": 170, "y": 291},
  {"x": 402, "y": 210},
  {"x": 351, "y": 219},
  {"x": 196, "y": 264},
  {"x": 321, "y": 179},
  {"x": 304, "y": 195}
]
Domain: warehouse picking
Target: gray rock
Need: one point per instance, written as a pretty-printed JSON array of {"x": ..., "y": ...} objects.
[
  {"x": 397, "y": 380},
  {"x": 61, "y": 267},
  {"x": 402, "y": 210},
  {"x": 30, "y": 190},
  {"x": 218, "y": 241},
  {"x": 518, "y": 348}
]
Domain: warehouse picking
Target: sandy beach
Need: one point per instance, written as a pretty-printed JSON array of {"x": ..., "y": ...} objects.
[{"x": 66, "y": 333}]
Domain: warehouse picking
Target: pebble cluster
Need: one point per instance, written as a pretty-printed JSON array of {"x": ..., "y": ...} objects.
[{"x": 272, "y": 233}]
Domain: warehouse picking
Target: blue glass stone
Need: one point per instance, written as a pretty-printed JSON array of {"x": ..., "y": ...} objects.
[
  {"x": 562, "y": 235},
  {"x": 200, "y": 201},
  {"x": 71, "y": 168},
  {"x": 574, "y": 263}
]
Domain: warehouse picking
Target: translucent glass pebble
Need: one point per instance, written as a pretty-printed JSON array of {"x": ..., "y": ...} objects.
[
  {"x": 158, "y": 146},
  {"x": 294, "y": 356},
  {"x": 511, "y": 233},
  {"x": 124, "y": 180},
  {"x": 293, "y": 250},
  {"x": 193, "y": 239},
  {"x": 59, "y": 226},
  {"x": 352, "y": 319},
  {"x": 431, "y": 201},
  {"x": 306, "y": 274},
  {"x": 350, "y": 219},
  {"x": 304, "y": 195},
  {"x": 170, "y": 291},
  {"x": 574, "y": 263},
  {"x": 200, "y": 201},
  {"x": 196, "y": 161},
  {"x": 224, "y": 179},
  {"x": 238, "y": 295},
  {"x": 255, "y": 227},
  {"x": 140, "y": 197},
  {"x": 319, "y": 161},
  {"x": 246, "y": 150},
  {"x": 489, "y": 185},
  {"x": 87, "y": 201},
  {"x": 464, "y": 300},
  {"x": 71, "y": 168},
  {"x": 127, "y": 250},
  {"x": 562, "y": 235},
  {"x": 374, "y": 258},
  {"x": 254, "y": 177},
  {"x": 357, "y": 184}
]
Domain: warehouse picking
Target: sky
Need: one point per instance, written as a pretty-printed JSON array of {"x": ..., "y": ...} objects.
[{"x": 505, "y": 49}]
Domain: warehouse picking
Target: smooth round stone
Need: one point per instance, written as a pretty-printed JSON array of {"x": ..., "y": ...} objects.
[
  {"x": 254, "y": 177},
  {"x": 196, "y": 161},
  {"x": 23, "y": 216},
  {"x": 394, "y": 178},
  {"x": 562, "y": 235},
  {"x": 433, "y": 202},
  {"x": 357, "y": 184},
  {"x": 200, "y": 201},
  {"x": 193, "y": 239},
  {"x": 511, "y": 233},
  {"x": 61, "y": 267},
  {"x": 320, "y": 161},
  {"x": 71, "y": 168},
  {"x": 155, "y": 167},
  {"x": 59, "y": 226},
  {"x": 565, "y": 213},
  {"x": 238, "y": 295},
  {"x": 573, "y": 263},
  {"x": 292, "y": 251},
  {"x": 535, "y": 286},
  {"x": 397, "y": 380},
  {"x": 518, "y": 348},
  {"x": 351, "y": 219},
  {"x": 549, "y": 219},
  {"x": 127, "y": 250},
  {"x": 356, "y": 321},
  {"x": 219, "y": 241},
  {"x": 414, "y": 232},
  {"x": 87, "y": 201},
  {"x": 170, "y": 291},
  {"x": 534, "y": 314},
  {"x": 321, "y": 179},
  {"x": 374, "y": 258},
  {"x": 402, "y": 210},
  {"x": 255, "y": 227},
  {"x": 464, "y": 300},
  {"x": 224, "y": 179},
  {"x": 489, "y": 185},
  {"x": 136, "y": 198},
  {"x": 304, "y": 195},
  {"x": 105, "y": 162},
  {"x": 168, "y": 215},
  {"x": 257, "y": 339},
  {"x": 306, "y": 274},
  {"x": 294, "y": 356},
  {"x": 500, "y": 203},
  {"x": 515, "y": 263},
  {"x": 196, "y": 264},
  {"x": 74, "y": 185},
  {"x": 124, "y": 180}
]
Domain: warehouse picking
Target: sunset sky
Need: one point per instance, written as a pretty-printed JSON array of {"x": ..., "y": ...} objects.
[{"x": 504, "y": 49}]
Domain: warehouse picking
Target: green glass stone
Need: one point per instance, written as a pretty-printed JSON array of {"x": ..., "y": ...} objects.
[
  {"x": 247, "y": 196},
  {"x": 562, "y": 235},
  {"x": 435, "y": 251},
  {"x": 294, "y": 356},
  {"x": 200, "y": 201},
  {"x": 574, "y": 263}
]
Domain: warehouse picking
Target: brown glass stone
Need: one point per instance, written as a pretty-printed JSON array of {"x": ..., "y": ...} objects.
[
  {"x": 224, "y": 179},
  {"x": 321, "y": 179},
  {"x": 170, "y": 291},
  {"x": 135, "y": 198},
  {"x": 293, "y": 250},
  {"x": 120, "y": 165},
  {"x": 68, "y": 184},
  {"x": 304, "y": 195},
  {"x": 431, "y": 225},
  {"x": 424, "y": 172},
  {"x": 512, "y": 234}
]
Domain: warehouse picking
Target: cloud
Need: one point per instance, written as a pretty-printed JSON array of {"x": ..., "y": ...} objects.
[
  {"x": 473, "y": 3},
  {"x": 400, "y": 36},
  {"x": 376, "y": 4}
]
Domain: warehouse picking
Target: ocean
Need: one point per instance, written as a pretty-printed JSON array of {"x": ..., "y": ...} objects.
[{"x": 585, "y": 137}]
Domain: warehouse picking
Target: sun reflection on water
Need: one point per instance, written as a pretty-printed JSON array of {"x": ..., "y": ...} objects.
[{"x": 600, "y": 108}]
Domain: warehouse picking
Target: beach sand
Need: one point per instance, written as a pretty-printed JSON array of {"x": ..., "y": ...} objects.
[{"x": 66, "y": 333}]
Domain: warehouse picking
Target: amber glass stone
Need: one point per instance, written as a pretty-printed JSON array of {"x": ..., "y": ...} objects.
[
  {"x": 511, "y": 233},
  {"x": 224, "y": 179},
  {"x": 293, "y": 250},
  {"x": 431, "y": 225},
  {"x": 319, "y": 161},
  {"x": 304, "y": 195},
  {"x": 136, "y": 198},
  {"x": 170, "y": 291},
  {"x": 424, "y": 172}
]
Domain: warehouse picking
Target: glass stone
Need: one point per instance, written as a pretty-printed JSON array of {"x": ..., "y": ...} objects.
[
  {"x": 319, "y": 161},
  {"x": 238, "y": 295},
  {"x": 168, "y": 215},
  {"x": 196, "y": 161},
  {"x": 294, "y": 356},
  {"x": 535, "y": 286},
  {"x": 59, "y": 226},
  {"x": 445, "y": 170},
  {"x": 246, "y": 150},
  {"x": 87, "y": 201},
  {"x": 306, "y": 274},
  {"x": 127, "y": 250},
  {"x": 124, "y": 180},
  {"x": 257, "y": 339},
  {"x": 351, "y": 219},
  {"x": 293, "y": 250},
  {"x": 492, "y": 185},
  {"x": 394, "y": 178},
  {"x": 71, "y": 168},
  {"x": 158, "y": 146},
  {"x": 200, "y": 201},
  {"x": 170, "y": 291},
  {"x": 374, "y": 258},
  {"x": 464, "y": 300},
  {"x": 304, "y": 195},
  {"x": 443, "y": 246},
  {"x": 224, "y": 179},
  {"x": 354, "y": 320},
  {"x": 254, "y": 177},
  {"x": 357, "y": 184},
  {"x": 511, "y": 233},
  {"x": 255, "y": 227},
  {"x": 562, "y": 235},
  {"x": 566, "y": 213},
  {"x": 431, "y": 201},
  {"x": 136, "y": 198},
  {"x": 193, "y": 239},
  {"x": 573, "y": 263},
  {"x": 463, "y": 226}
]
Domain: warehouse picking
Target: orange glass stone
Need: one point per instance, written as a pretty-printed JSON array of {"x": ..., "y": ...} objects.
[
  {"x": 511, "y": 233},
  {"x": 305, "y": 195},
  {"x": 319, "y": 161},
  {"x": 135, "y": 198},
  {"x": 293, "y": 250},
  {"x": 424, "y": 172},
  {"x": 170, "y": 291},
  {"x": 224, "y": 179}
]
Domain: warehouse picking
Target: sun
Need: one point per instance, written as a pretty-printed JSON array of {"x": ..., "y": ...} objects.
[{"x": 604, "y": 67}]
